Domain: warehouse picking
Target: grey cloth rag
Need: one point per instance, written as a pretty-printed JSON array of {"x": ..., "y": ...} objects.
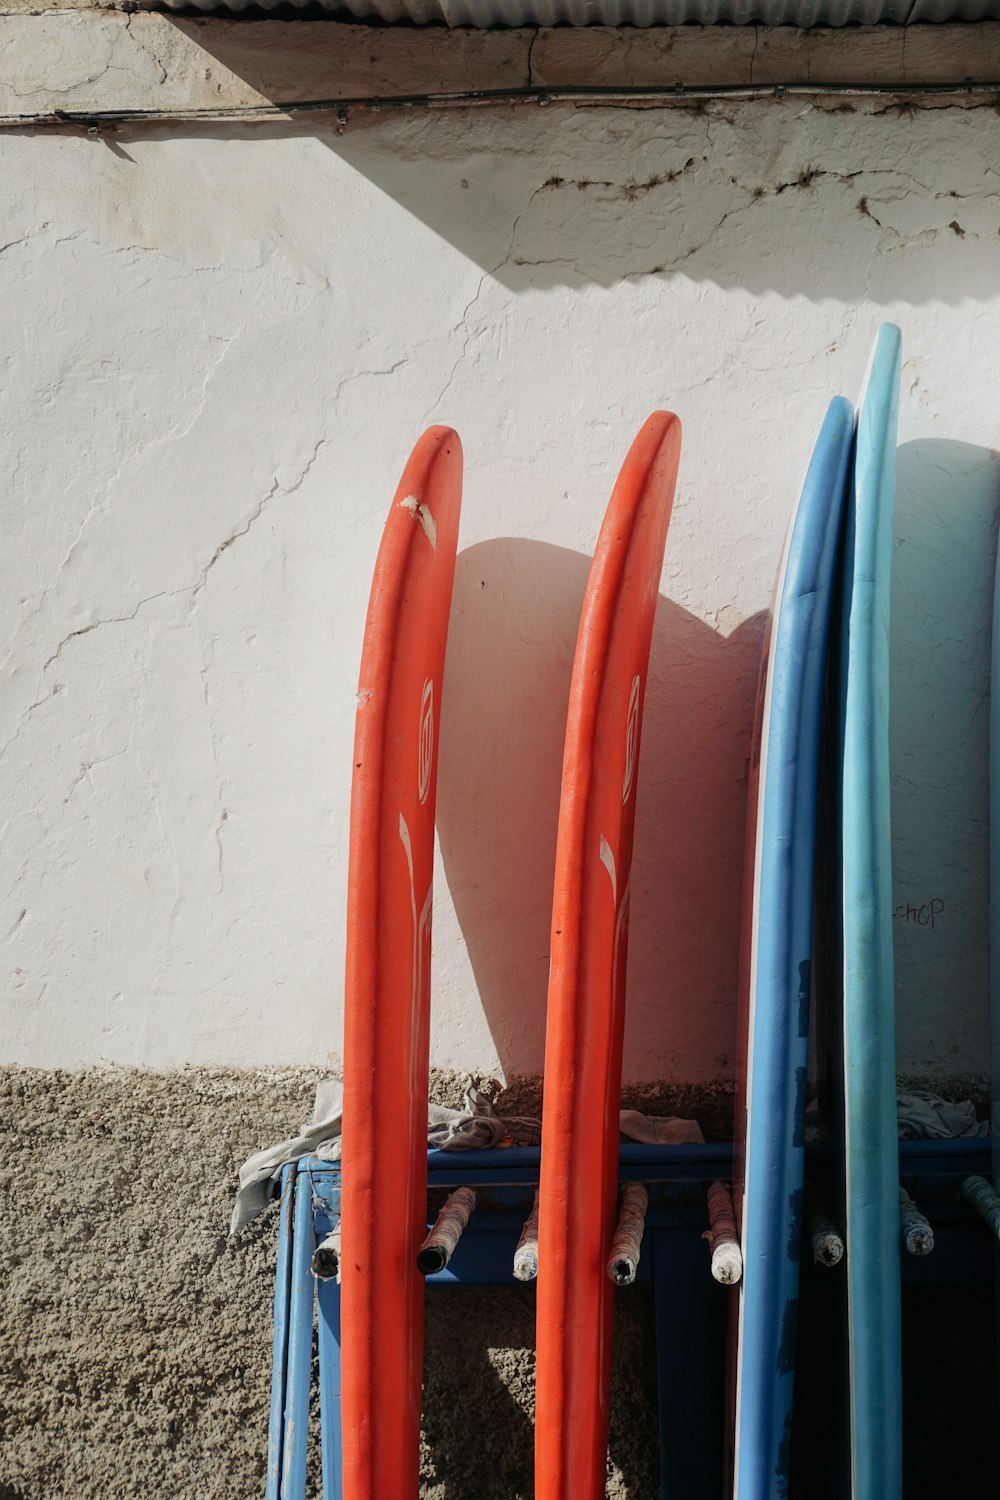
[
  {"x": 924, "y": 1116},
  {"x": 474, "y": 1127},
  {"x": 920, "y": 1116},
  {"x": 319, "y": 1136},
  {"x": 659, "y": 1130}
]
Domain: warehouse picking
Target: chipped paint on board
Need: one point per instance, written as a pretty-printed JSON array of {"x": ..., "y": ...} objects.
[{"x": 423, "y": 515}]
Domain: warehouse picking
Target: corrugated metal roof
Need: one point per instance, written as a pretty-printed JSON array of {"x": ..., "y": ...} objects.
[{"x": 488, "y": 13}]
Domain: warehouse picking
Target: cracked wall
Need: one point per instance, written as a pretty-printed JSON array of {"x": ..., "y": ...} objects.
[{"x": 218, "y": 346}]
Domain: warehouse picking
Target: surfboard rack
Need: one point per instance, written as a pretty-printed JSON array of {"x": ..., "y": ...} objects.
[{"x": 674, "y": 1265}]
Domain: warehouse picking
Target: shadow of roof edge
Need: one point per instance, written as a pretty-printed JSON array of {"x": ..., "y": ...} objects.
[{"x": 491, "y": 14}]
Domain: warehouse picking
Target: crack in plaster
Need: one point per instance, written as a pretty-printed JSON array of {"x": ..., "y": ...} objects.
[
  {"x": 463, "y": 322},
  {"x": 531, "y": 50},
  {"x": 361, "y": 374},
  {"x": 174, "y": 434},
  {"x": 277, "y": 487},
  {"x": 21, "y": 917},
  {"x": 49, "y": 88},
  {"x": 756, "y": 195},
  {"x": 140, "y": 39},
  {"x": 222, "y": 818},
  {"x": 85, "y": 770},
  {"x": 92, "y": 510},
  {"x": 81, "y": 83},
  {"x": 510, "y": 259},
  {"x": 629, "y": 191},
  {"x": 804, "y": 180},
  {"x": 234, "y": 536},
  {"x": 181, "y": 429},
  {"x": 99, "y": 624},
  {"x": 21, "y": 240},
  {"x": 192, "y": 589}
]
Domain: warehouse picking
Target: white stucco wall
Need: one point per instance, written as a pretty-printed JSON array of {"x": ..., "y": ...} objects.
[{"x": 217, "y": 347}]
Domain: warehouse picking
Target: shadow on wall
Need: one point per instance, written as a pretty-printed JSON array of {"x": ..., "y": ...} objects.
[
  {"x": 944, "y": 541},
  {"x": 807, "y": 200},
  {"x": 515, "y": 615}
]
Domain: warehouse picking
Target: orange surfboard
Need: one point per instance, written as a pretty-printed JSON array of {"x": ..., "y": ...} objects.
[
  {"x": 590, "y": 915},
  {"x": 387, "y": 994}
]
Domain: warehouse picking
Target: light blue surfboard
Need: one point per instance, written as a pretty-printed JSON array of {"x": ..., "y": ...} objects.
[
  {"x": 776, "y": 964},
  {"x": 870, "y": 1144},
  {"x": 994, "y": 920}
]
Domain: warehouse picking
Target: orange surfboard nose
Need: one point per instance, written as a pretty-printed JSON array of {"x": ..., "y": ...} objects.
[
  {"x": 387, "y": 994},
  {"x": 590, "y": 917}
]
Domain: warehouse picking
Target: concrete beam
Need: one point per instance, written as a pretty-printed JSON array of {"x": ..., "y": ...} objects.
[{"x": 72, "y": 62}]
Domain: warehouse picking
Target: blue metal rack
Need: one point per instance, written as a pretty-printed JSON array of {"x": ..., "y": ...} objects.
[{"x": 674, "y": 1263}]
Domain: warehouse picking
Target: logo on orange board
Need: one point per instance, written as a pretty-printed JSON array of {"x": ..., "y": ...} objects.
[
  {"x": 631, "y": 738},
  {"x": 425, "y": 741}
]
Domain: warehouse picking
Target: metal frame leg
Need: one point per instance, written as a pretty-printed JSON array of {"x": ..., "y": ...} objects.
[
  {"x": 300, "y": 1346},
  {"x": 682, "y": 1301},
  {"x": 328, "y": 1293},
  {"x": 279, "y": 1359}
]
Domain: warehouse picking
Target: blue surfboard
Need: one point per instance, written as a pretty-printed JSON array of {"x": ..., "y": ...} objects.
[
  {"x": 870, "y": 1160},
  {"x": 994, "y": 928},
  {"x": 775, "y": 968}
]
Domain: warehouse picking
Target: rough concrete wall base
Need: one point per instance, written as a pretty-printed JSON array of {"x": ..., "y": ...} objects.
[
  {"x": 711, "y": 1104},
  {"x": 135, "y": 1339},
  {"x": 479, "y": 1389}
]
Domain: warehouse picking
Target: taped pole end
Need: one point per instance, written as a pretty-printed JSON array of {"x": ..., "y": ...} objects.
[
  {"x": 439, "y": 1246},
  {"x": 431, "y": 1258},
  {"x": 981, "y": 1194},
  {"x": 727, "y": 1257},
  {"x": 827, "y": 1246},
  {"x": 623, "y": 1260},
  {"x": 326, "y": 1257},
  {"x": 526, "y": 1254},
  {"x": 825, "y": 1239},
  {"x": 918, "y": 1236}
]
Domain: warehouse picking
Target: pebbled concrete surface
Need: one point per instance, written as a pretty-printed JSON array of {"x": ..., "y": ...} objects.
[
  {"x": 135, "y": 1353},
  {"x": 135, "y": 1336}
]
